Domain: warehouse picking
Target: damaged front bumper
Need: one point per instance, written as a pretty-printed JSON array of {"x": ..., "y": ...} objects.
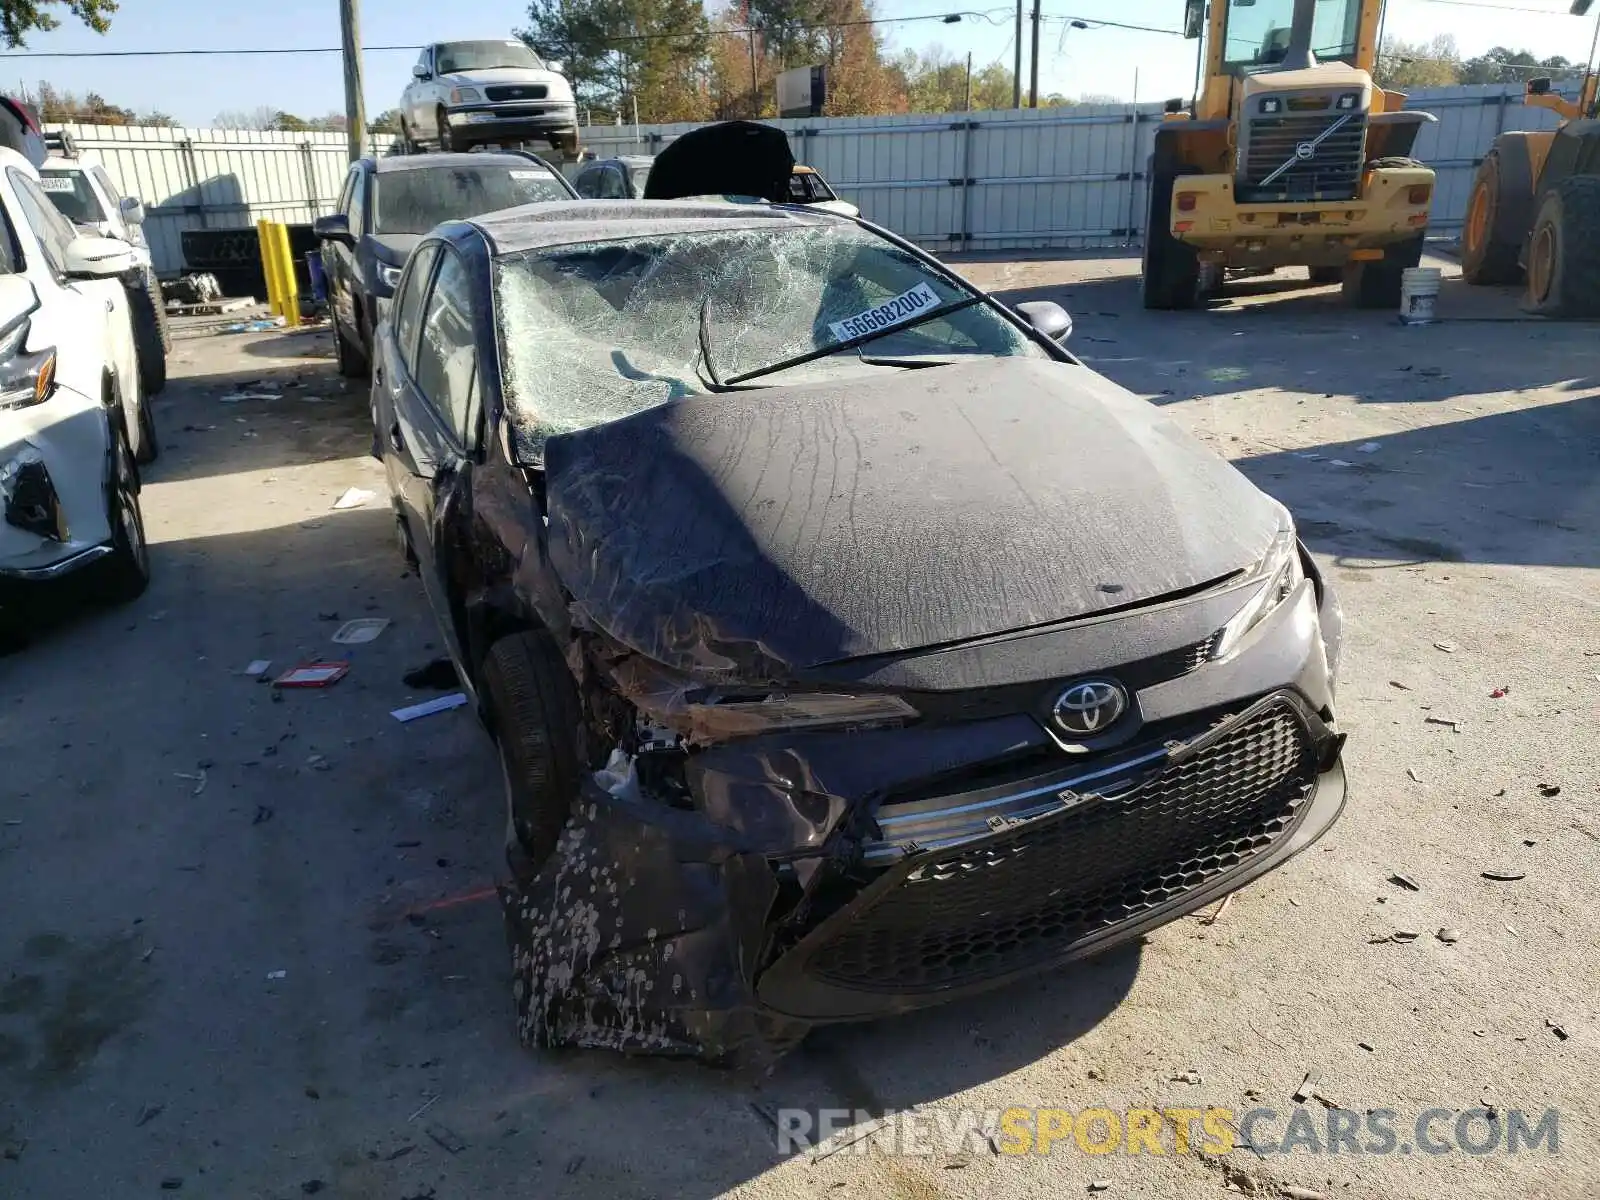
[
  {"x": 662, "y": 930},
  {"x": 54, "y": 459}
]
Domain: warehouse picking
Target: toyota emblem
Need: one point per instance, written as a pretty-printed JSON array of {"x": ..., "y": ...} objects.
[{"x": 1090, "y": 707}]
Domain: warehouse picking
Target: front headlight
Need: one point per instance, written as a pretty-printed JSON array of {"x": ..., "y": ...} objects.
[
  {"x": 26, "y": 377},
  {"x": 1278, "y": 573},
  {"x": 389, "y": 276},
  {"x": 465, "y": 96}
]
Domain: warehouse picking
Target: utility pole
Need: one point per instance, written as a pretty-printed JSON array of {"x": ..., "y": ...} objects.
[
  {"x": 355, "y": 104},
  {"x": 755, "y": 88},
  {"x": 1016, "y": 75},
  {"x": 969, "y": 80},
  {"x": 1033, "y": 69}
]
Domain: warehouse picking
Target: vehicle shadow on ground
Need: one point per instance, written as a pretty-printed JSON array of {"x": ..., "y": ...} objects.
[
  {"x": 1519, "y": 487},
  {"x": 1307, "y": 340}
]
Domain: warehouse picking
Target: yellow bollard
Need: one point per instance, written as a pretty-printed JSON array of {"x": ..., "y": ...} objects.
[
  {"x": 268, "y": 267},
  {"x": 288, "y": 283}
]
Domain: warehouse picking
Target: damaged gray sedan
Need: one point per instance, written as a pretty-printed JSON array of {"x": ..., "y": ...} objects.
[{"x": 849, "y": 646}]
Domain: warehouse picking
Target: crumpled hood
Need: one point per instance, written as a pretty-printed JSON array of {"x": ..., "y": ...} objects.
[{"x": 758, "y": 533}]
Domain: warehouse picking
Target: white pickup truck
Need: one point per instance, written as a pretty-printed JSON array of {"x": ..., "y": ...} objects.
[{"x": 465, "y": 94}]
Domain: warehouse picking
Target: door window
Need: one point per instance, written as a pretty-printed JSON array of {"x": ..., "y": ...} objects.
[
  {"x": 611, "y": 185},
  {"x": 358, "y": 202},
  {"x": 447, "y": 355},
  {"x": 587, "y": 183},
  {"x": 409, "y": 303}
]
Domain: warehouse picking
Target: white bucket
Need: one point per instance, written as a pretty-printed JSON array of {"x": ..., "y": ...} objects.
[{"x": 1419, "y": 289}]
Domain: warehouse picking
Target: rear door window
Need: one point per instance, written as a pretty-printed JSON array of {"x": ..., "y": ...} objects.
[
  {"x": 447, "y": 356},
  {"x": 55, "y": 232},
  {"x": 409, "y": 304}
]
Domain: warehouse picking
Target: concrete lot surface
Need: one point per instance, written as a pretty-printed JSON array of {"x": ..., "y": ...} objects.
[{"x": 249, "y": 949}]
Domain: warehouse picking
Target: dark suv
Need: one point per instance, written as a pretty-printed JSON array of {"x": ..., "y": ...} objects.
[{"x": 388, "y": 204}]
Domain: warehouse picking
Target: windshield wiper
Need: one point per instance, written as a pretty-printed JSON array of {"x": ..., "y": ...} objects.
[
  {"x": 848, "y": 344},
  {"x": 709, "y": 375}
]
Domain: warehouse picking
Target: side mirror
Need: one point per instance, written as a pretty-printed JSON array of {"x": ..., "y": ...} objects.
[
  {"x": 1194, "y": 18},
  {"x": 557, "y": 66},
  {"x": 333, "y": 228},
  {"x": 421, "y": 72},
  {"x": 1175, "y": 105},
  {"x": 1047, "y": 317},
  {"x": 97, "y": 258},
  {"x": 132, "y": 210}
]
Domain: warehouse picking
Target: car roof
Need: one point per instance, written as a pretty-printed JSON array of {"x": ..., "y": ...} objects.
[
  {"x": 574, "y": 222},
  {"x": 477, "y": 158}
]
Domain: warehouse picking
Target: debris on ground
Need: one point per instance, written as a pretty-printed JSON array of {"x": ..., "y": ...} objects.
[
  {"x": 257, "y": 668},
  {"x": 1548, "y": 790},
  {"x": 1370, "y": 447},
  {"x": 445, "y": 1138},
  {"x": 12, "y": 1151},
  {"x": 1395, "y": 683},
  {"x": 264, "y": 813},
  {"x": 1295, "y": 1192},
  {"x": 1415, "y": 778},
  {"x": 1216, "y": 916},
  {"x": 199, "y": 780},
  {"x": 1405, "y": 881},
  {"x": 172, "y": 1183},
  {"x": 1190, "y": 1077},
  {"x": 200, "y": 288},
  {"x": 428, "y": 707},
  {"x": 1448, "y": 936},
  {"x": 236, "y": 397},
  {"x": 1405, "y": 935},
  {"x": 1504, "y": 874},
  {"x": 1556, "y": 1028},
  {"x": 1500, "y": 692},
  {"x": 312, "y": 675},
  {"x": 1447, "y": 647},
  {"x": 1307, "y": 1088},
  {"x": 1099, "y": 1185},
  {"x": 148, "y": 1113},
  {"x": 1450, "y": 722},
  {"x": 1367, "y": 1046},
  {"x": 361, "y": 630},
  {"x": 354, "y": 498},
  {"x": 438, "y": 675},
  {"x": 277, "y": 974}
]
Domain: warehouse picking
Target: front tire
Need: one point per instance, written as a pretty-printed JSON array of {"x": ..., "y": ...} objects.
[
  {"x": 149, "y": 332},
  {"x": 535, "y": 717},
  {"x": 1564, "y": 251},
  {"x": 1378, "y": 284},
  {"x": 447, "y": 140},
  {"x": 1169, "y": 277},
  {"x": 125, "y": 573},
  {"x": 351, "y": 364},
  {"x": 1499, "y": 212}
]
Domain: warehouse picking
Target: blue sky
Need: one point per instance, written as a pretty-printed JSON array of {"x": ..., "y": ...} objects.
[{"x": 1097, "y": 60}]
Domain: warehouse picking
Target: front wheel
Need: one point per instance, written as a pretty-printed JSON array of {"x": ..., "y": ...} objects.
[
  {"x": 1377, "y": 284},
  {"x": 351, "y": 364},
  {"x": 125, "y": 573},
  {"x": 535, "y": 717},
  {"x": 447, "y": 141},
  {"x": 1170, "y": 275}
]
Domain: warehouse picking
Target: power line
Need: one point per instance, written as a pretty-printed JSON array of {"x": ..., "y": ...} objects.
[
  {"x": 1548, "y": 12},
  {"x": 945, "y": 18}
]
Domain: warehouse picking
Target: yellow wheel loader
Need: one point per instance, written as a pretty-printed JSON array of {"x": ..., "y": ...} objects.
[
  {"x": 1289, "y": 155},
  {"x": 1533, "y": 215}
]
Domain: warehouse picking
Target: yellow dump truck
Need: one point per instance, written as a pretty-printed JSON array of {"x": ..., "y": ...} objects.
[{"x": 1289, "y": 155}]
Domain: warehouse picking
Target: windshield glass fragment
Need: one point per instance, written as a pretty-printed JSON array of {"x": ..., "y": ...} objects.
[
  {"x": 415, "y": 200},
  {"x": 602, "y": 330}
]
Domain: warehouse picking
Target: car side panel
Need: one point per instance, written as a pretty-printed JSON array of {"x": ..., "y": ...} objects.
[{"x": 68, "y": 432}]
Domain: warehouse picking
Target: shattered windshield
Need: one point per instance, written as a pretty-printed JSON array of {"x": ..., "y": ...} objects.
[
  {"x": 72, "y": 195},
  {"x": 602, "y": 330},
  {"x": 484, "y": 56},
  {"x": 417, "y": 199}
]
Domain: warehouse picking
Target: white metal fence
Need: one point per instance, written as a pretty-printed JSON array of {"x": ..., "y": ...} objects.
[{"x": 1046, "y": 178}]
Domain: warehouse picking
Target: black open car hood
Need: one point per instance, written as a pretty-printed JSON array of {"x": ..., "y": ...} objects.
[
  {"x": 755, "y": 534},
  {"x": 735, "y": 158}
]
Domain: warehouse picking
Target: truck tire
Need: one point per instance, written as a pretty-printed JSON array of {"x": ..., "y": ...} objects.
[
  {"x": 149, "y": 325},
  {"x": 1499, "y": 212},
  {"x": 1169, "y": 276},
  {"x": 1377, "y": 284},
  {"x": 447, "y": 141},
  {"x": 1564, "y": 251},
  {"x": 535, "y": 718}
]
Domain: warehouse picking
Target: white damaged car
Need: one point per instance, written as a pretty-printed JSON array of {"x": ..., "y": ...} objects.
[{"x": 73, "y": 417}]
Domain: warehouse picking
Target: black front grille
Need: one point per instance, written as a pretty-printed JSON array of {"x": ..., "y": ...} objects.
[
  {"x": 1010, "y": 901},
  {"x": 523, "y": 91},
  {"x": 1332, "y": 172}
]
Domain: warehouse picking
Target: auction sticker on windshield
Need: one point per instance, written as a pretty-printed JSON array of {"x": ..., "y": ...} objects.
[
  {"x": 55, "y": 183},
  {"x": 891, "y": 312}
]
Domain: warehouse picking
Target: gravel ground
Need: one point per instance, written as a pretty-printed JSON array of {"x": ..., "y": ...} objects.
[{"x": 249, "y": 949}]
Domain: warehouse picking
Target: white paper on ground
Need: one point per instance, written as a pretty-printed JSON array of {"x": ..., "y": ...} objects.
[
  {"x": 354, "y": 498},
  {"x": 428, "y": 707},
  {"x": 361, "y": 630}
]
